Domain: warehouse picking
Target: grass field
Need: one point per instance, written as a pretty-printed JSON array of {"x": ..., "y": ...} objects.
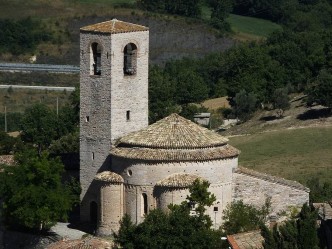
[
  {"x": 296, "y": 154},
  {"x": 245, "y": 27},
  {"x": 252, "y": 26}
]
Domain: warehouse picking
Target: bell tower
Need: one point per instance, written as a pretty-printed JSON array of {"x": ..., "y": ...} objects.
[{"x": 113, "y": 95}]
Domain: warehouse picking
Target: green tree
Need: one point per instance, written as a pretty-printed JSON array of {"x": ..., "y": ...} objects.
[
  {"x": 126, "y": 233},
  {"x": 22, "y": 36},
  {"x": 269, "y": 238},
  {"x": 244, "y": 104},
  {"x": 161, "y": 94},
  {"x": 39, "y": 126},
  {"x": 176, "y": 228},
  {"x": 7, "y": 143},
  {"x": 69, "y": 143},
  {"x": 280, "y": 101},
  {"x": 321, "y": 91},
  {"x": 288, "y": 234},
  {"x": 300, "y": 232},
  {"x": 307, "y": 230},
  {"x": 219, "y": 13},
  {"x": 190, "y": 8},
  {"x": 152, "y": 5},
  {"x": 239, "y": 217},
  {"x": 32, "y": 193},
  {"x": 201, "y": 197},
  {"x": 189, "y": 110},
  {"x": 190, "y": 87}
]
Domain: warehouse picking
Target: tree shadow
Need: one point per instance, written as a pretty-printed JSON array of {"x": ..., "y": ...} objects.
[
  {"x": 315, "y": 114},
  {"x": 269, "y": 118}
]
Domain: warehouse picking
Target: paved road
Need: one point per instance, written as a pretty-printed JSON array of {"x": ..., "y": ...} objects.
[
  {"x": 21, "y": 67},
  {"x": 51, "y": 88}
]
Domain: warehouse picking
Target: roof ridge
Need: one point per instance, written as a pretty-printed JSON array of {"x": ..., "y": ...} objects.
[{"x": 113, "y": 26}]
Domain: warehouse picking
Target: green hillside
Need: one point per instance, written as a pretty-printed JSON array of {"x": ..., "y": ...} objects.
[
  {"x": 297, "y": 154},
  {"x": 250, "y": 26}
]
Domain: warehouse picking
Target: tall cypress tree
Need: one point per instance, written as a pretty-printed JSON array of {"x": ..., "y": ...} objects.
[{"x": 307, "y": 238}]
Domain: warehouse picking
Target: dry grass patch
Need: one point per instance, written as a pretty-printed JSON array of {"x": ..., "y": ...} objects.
[
  {"x": 20, "y": 99},
  {"x": 215, "y": 104}
]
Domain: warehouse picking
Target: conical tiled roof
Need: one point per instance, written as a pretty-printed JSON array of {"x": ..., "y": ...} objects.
[
  {"x": 178, "y": 180},
  {"x": 114, "y": 26},
  {"x": 174, "y": 138},
  {"x": 174, "y": 132},
  {"x": 108, "y": 176}
]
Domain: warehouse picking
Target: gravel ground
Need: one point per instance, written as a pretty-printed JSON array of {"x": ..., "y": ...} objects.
[{"x": 65, "y": 232}]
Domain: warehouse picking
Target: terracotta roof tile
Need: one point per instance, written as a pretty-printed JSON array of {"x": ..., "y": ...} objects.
[
  {"x": 246, "y": 240},
  {"x": 113, "y": 26},
  {"x": 108, "y": 176},
  {"x": 173, "y": 132},
  {"x": 148, "y": 154},
  {"x": 174, "y": 138}
]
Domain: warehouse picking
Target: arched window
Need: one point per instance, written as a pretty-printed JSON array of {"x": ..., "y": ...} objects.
[
  {"x": 144, "y": 206},
  {"x": 130, "y": 59},
  {"x": 95, "y": 59},
  {"x": 93, "y": 213}
]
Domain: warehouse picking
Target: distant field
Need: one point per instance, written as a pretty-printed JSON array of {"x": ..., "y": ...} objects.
[
  {"x": 18, "y": 100},
  {"x": 245, "y": 27},
  {"x": 252, "y": 26},
  {"x": 297, "y": 154},
  {"x": 39, "y": 79}
]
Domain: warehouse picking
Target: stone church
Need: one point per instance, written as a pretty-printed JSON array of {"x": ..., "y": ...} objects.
[{"x": 128, "y": 166}]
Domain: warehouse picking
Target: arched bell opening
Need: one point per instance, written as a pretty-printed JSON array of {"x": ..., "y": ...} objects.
[
  {"x": 95, "y": 62},
  {"x": 130, "y": 59}
]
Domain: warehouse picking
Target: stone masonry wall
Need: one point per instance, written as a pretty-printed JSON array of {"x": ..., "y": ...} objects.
[
  {"x": 253, "y": 190},
  {"x": 142, "y": 177},
  {"x": 145, "y": 173},
  {"x": 111, "y": 208},
  {"x": 134, "y": 202},
  {"x": 105, "y": 99},
  {"x": 223, "y": 193}
]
